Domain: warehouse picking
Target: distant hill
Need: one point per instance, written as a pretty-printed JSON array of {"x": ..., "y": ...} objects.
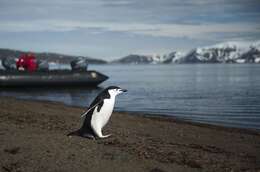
[
  {"x": 142, "y": 59},
  {"x": 227, "y": 52},
  {"x": 134, "y": 59},
  {"x": 50, "y": 57}
]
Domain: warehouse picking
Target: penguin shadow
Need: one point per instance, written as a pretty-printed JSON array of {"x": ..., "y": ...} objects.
[
  {"x": 13, "y": 150},
  {"x": 78, "y": 133},
  {"x": 88, "y": 136}
]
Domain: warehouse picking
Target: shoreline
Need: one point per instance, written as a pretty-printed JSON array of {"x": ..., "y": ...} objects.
[
  {"x": 190, "y": 122},
  {"x": 33, "y": 138},
  {"x": 154, "y": 116}
]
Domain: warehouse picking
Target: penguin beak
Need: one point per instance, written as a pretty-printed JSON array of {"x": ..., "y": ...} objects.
[{"x": 123, "y": 90}]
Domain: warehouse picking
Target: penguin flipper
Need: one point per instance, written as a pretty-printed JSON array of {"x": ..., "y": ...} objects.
[{"x": 92, "y": 106}]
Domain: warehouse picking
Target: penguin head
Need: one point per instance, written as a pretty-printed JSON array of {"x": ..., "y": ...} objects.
[{"x": 115, "y": 90}]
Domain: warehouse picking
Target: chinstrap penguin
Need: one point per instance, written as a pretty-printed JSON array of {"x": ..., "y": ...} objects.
[{"x": 98, "y": 113}]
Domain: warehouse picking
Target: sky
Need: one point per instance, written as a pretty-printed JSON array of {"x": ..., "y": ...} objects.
[{"x": 110, "y": 29}]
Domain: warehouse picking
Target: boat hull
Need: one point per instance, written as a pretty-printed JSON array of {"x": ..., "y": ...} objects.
[{"x": 51, "y": 78}]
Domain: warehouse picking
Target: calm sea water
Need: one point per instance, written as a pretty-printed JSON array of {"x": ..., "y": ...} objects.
[{"x": 222, "y": 94}]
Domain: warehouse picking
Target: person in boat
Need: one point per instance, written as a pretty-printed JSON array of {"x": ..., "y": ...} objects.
[
  {"x": 27, "y": 62},
  {"x": 9, "y": 63}
]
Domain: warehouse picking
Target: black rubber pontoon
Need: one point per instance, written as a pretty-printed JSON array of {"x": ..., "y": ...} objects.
[{"x": 51, "y": 78}]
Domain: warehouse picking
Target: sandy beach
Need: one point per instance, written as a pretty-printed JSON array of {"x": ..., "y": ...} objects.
[{"x": 33, "y": 137}]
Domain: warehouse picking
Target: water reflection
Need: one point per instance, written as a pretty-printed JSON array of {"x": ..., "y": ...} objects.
[{"x": 76, "y": 96}]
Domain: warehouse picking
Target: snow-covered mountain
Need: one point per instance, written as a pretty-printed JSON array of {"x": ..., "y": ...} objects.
[
  {"x": 229, "y": 52},
  {"x": 176, "y": 56}
]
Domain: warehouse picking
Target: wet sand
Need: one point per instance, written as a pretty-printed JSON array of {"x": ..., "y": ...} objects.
[{"x": 33, "y": 138}]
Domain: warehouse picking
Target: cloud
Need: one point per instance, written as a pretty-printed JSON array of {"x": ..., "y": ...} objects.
[
  {"x": 117, "y": 3},
  {"x": 205, "y": 31},
  {"x": 145, "y": 11},
  {"x": 129, "y": 25}
]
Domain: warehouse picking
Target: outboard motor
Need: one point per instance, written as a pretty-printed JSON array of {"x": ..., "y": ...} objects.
[
  {"x": 43, "y": 65},
  {"x": 9, "y": 63},
  {"x": 79, "y": 64}
]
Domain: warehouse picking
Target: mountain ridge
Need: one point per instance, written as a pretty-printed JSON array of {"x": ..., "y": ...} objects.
[
  {"x": 227, "y": 52},
  {"x": 48, "y": 56}
]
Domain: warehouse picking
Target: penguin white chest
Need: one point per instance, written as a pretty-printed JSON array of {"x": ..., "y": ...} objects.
[{"x": 100, "y": 119}]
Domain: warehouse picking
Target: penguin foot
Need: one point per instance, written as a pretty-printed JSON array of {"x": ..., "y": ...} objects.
[
  {"x": 89, "y": 136},
  {"x": 105, "y": 136}
]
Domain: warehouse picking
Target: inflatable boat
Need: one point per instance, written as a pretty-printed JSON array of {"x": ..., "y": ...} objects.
[{"x": 51, "y": 78}]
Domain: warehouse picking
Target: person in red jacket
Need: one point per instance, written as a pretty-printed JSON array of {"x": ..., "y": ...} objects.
[{"x": 27, "y": 62}]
